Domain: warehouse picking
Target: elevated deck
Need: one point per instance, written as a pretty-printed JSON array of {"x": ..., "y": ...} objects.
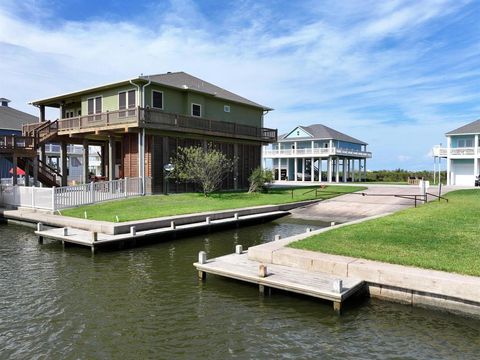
[{"x": 319, "y": 285}]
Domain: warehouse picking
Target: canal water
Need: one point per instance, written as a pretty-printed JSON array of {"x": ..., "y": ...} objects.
[{"x": 146, "y": 303}]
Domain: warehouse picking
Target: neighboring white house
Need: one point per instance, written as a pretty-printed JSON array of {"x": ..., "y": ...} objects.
[
  {"x": 462, "y": 154},
  {"x": 317, "y": 153}
]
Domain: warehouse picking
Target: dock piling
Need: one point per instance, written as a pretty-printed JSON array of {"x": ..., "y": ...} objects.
[
  {"x": 39, "y": 226},
  {"x": 239, "y": 249},
  {"x": 308, "y": 230},
  {"x": 65, "y": 231},
  {"x": 337, "y": 285},
  {"x": 94, "y": 236},
  {"x": 207, "y": 220},
  {"x": 337, "y": 307},
  {"x": 172, "y": 225},
  {"x": 235, "y": 216},
  {"x": 133, "y": 230},
  {"x": 332, "y": 223},
  {"x": 202, "y": 257},
  {"x": 277, "y": 237},
  {"x": 262, "y": 271}
]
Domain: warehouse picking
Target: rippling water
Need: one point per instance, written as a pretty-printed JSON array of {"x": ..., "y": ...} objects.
[{"x": 147, "y": 303}]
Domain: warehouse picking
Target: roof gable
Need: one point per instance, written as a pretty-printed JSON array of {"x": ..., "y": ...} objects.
[
  {"x": 298, "y": 132},
  {"x": 13, "y": 119},
  {"x": 322, "y": 132}
]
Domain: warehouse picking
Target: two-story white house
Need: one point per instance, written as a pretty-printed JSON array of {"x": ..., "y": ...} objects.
[
  {"x": 462, "y": 154},
  {"x": 317, "y": 153}
]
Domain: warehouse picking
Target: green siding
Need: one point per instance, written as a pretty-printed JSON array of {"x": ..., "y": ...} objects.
[{"x": 109, "y": 98}]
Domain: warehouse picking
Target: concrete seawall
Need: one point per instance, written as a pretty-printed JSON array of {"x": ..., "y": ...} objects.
[
  {"x": 408, "y": 285},
  {"x": 111, "y": 228}
]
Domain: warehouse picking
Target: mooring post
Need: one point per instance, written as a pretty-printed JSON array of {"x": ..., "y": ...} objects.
[
  {"x": 94, "y": 236},
  {"x": 207, "y": 220},
  {"x": 309, "y": 230},
  {"x": 239, "y": 249},
  {"x": 172, "y": 225},
  {"x": 202, "y": 259},
  {"x": 277, "y": 237},
  {"x": 235, "y": 216},
  {"x": 40, "y": 228},
  {"x": 337, "y": 307},
  {"x": 133, "y": 230},
  {"x": 65, "y": 231},
  {"x": 93, "y": 249},
  {"x": 332, "y": 223},
  {"x": 337, "y": 285},
  {"x": 262, "y": 272}
]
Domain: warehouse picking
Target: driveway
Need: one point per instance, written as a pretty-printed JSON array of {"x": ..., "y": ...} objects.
[{"x": 355, "y": 206}]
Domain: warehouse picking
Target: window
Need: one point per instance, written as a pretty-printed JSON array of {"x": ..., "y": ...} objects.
[
  {"x": 94, "y": 107},
  {"x": 196, "y": 110},
  {"x": 157, "y": 99},
  {"x": 226, "y": 108},
  {"x": 126, "y": 101}
]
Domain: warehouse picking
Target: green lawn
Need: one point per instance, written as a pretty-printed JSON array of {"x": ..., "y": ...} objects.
[
  {"x": 162, "y": 205},
  {"x": 438, "y": 235}
]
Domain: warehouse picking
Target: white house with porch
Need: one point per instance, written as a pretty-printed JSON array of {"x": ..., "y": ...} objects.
[
  {"x": 317, "y": 153},
  {"x": 462, "y": 154}
]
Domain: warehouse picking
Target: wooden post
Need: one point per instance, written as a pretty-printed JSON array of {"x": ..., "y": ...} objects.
[
  {"x": 207, "y": 220},
  {"x": 63, "y": 163},
  {"x": 65, "y": 231},
  {"x": 202, "y": 259},
  {"x": 309, "y": 230},
  {"x": 337, "y": 285},
  {"x": 40, "y": 228},
  {"x": 15, "y": 164},
  {"x": 337, "y": 307},
  {"x": 235, "y": 216},
  {"x": 262, "y": 271},
  {"x": 239, "y": 249},
  {"x": 172, "y": 225},
  {"x": 94, "y": 236},
  {"x": 332, "y": 223},
  {"x": 133, "y": 230},
  {"x": 277, "y": 237}
]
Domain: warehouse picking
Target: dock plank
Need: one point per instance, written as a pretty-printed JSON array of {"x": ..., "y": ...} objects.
[{"x": 315, "y": 284}]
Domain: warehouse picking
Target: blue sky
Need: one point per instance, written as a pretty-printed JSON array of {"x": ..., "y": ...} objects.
[{"x": 396, "y": 74}]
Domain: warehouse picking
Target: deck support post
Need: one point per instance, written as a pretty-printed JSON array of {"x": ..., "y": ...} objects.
[
  {"x": 93, "y": 249},
  {"x": 85, "y": 159},
  {"x": 239, "y": 249},
  {"x": 15, "y": 164},
  {"x": 40, "y": 240},
  {"x": 63, "y": 163},
  {"x": 35, "y": 171},
  {"x": 111, "y": 158},
  {"x": 337, "y": 307}
]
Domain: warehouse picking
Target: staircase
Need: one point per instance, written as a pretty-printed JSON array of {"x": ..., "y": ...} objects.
[{"x": 25, "y": 147}]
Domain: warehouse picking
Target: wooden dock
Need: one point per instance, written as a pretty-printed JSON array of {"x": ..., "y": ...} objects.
[
  {"x": 95, "y": 240},
  {"x": 319, "y": 285}
]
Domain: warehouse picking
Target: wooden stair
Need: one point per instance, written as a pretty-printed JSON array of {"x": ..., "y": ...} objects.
[{"x": 47, "y": 175}]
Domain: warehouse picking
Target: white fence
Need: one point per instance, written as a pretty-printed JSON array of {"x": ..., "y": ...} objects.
[{"x": 69, "y": 196}]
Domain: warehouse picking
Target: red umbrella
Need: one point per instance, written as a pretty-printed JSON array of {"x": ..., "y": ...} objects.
[{"x": 19, "y": 171}]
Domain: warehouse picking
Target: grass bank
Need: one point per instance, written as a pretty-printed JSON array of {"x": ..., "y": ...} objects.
[
  {"x": 152, "y": 206},
  {"x": 438, "y": 235}
]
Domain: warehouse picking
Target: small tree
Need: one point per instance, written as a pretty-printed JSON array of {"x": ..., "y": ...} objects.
[
  {"x": 206, "y": 167},
  {"x": 259, "y": 179}
]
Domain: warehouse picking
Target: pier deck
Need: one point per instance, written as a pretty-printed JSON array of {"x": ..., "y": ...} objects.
[
  {"x": 86, "y": 238},
  {"x": 315, "y": 284}
]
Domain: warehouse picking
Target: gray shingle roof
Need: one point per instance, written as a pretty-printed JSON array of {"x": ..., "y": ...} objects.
[
  {"x": 471, "y": 128},
  {"x": 182, "y": 80},
  {"x": 12, "y": 119},
  {"x": 319, "y": 131}
]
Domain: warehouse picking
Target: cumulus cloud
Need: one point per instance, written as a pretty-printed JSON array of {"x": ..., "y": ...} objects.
[{"x": 389, "y": 73}]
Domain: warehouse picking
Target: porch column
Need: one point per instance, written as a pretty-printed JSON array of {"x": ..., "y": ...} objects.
[
  {"x": 63, "y": 163},
  {"x": 449, "y": 165},
  {"x": 348, "y": 169},
  {"x": 111, "y": 158},
  {"x": 365, "y": 169},
  {"x": 344, "y": 163},
  {"x": 42, "y": 113},
  {"x": 103, "y": 149},
  {"x": 14, "y": 168},
  {"x": 475, "y": 157},
  {"x": 295, "y": 167},
  {"x": 353, "y": 170},
  {"x": 303, "y": 169},
  {"x": 235, "y": 165},
  {"x": 312, "y": 168},
  {"x": 279, "y": 166},
  {"x": 320, "y": 160},
  {"x": 329, "y": 169},
  {"x": 337, "y": 172},
  {"x": 85, "y": 159},
  {"x": 27, "y": 172}
]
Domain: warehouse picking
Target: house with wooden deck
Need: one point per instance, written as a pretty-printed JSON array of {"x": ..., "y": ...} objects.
[
  {"x": 462, "y": 154},
  {"x": 317, "y": 153},
  {"x": 139, "y": 123}
]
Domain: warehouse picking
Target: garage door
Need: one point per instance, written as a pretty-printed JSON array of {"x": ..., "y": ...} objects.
[{"x": 463, "y": 174}]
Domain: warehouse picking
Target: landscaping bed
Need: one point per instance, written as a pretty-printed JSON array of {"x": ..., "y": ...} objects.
[
  {"x": 439, "y": 235},
  {"x": 152, "y": 206}
]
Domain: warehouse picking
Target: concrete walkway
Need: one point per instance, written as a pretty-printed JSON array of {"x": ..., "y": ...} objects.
[{"x": 352, "y": 207}]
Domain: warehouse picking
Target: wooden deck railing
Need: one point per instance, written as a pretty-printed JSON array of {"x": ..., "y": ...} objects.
[
  {"x": 15, "y": 142},
  {"x": 151, "y": 118}
]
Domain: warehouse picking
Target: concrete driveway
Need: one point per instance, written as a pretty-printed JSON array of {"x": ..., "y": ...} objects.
[{"x": 355, "y": 206}]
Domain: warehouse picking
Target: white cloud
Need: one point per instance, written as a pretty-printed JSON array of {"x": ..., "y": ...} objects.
[{"x": 371, "y": 71}]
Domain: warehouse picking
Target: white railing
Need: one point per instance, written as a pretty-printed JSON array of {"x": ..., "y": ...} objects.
[
  {"x": 315, "y": 151},
  {"x": 467, "y": 151},
  {"x": 57, "y": 198}
]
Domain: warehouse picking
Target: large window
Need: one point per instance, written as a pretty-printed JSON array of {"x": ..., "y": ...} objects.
[
  {"x": 196, "y": 110},
  {"x": 157, "y": 99},
  {"x": 462, "y": 143},
  {"x": 94, "y": 107},
  {"x": 126, "y": 103}
]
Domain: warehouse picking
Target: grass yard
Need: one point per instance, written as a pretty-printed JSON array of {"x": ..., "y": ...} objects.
[
  {"x": 152, "y": 206},
  {"x": 438, "y": 235}
]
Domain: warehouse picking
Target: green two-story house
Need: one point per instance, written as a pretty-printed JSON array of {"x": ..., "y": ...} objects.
[{"x": 140, "y": 123}]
